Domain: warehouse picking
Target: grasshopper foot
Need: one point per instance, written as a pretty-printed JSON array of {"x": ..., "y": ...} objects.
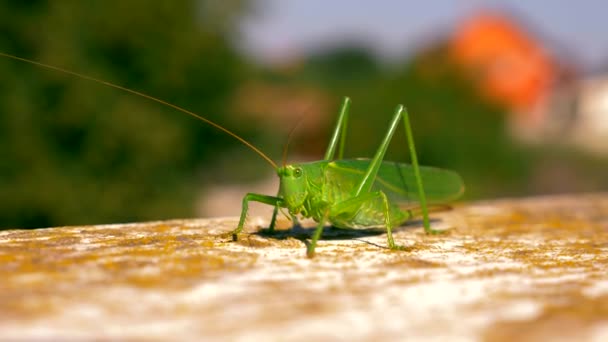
[
  {"x": 432, "y": 231},
  {"x": 310, "y": 252},
  {"x": 399, "y": 248}
]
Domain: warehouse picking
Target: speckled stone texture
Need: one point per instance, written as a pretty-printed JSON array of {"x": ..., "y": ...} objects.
[{"x": 524, "y": 269}]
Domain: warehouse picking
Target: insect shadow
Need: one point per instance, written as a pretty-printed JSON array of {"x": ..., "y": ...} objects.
[{"x": 304, "y": 233}]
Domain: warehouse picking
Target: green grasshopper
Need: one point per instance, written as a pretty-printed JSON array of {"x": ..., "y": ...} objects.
[
  {"x": 358, "y": 193},
  {"x": 347, "y": 193}
]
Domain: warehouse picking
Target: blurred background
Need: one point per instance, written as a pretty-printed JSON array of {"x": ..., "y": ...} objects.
[{"x": 512, "y": 95}]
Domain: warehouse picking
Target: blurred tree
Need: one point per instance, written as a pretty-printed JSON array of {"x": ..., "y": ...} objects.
[
  {"x": 458, "y": 128},
  {"x": 339, "y": 70},
  {"x": 454, "y": 126},
  {"x": 342, "y": 65},
  {"x": 73, "y": 152}
]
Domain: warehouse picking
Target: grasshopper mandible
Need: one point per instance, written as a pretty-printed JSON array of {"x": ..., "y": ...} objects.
[{"x": 347, "y": 193}]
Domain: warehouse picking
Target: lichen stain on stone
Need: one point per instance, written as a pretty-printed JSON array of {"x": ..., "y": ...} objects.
[
  {"x": 411, "y": 262},
  {"x": 568, "y": 317},
  {"x": 546, "y": 251},
  {"x": 254, "y": 241}
]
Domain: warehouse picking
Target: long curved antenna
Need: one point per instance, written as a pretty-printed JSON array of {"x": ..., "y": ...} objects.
[
  {"x": 286, "y": 148},
  {"x": 149, "y": 97},
  {"x": 289, "y": 136}
]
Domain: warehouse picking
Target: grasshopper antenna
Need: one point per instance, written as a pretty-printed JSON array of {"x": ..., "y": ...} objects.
[
  {"x": 290, "y": 135},
  {"x": 149, "y": 97},
  {"x": 286, "y": 148}
]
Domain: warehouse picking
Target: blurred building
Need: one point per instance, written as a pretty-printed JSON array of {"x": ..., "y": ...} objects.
[
  {"x": 589, "y": 115},
  {"x": 510, "y": 65},
  {"x": 548, "y": 100}
]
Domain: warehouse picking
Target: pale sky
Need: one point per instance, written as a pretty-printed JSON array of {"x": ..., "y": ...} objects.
[{"x": 392, "y": 27}]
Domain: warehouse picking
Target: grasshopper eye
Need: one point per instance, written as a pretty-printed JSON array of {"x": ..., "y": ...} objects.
[{"x": 297, "y": 172}]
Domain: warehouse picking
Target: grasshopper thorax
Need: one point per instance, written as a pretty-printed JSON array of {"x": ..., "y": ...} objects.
[{"x": 293, "y": 187}]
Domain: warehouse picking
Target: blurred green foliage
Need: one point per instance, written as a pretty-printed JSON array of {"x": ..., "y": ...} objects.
[{"x": 75, "y": 152}]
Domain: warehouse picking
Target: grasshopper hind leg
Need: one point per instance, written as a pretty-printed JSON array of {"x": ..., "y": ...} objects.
[
  {"x": 389, "y": 223},
  {"x": 380, "y": 204},
  {"x": 310, "y": 249},
  {"x": 414, "y": 157}
]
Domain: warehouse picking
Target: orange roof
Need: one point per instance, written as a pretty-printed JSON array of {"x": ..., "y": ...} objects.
[{"x": 511, "y": 66}]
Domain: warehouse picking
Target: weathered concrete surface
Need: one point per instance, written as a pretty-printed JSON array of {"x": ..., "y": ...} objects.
[{"x": 506, "y": 270}]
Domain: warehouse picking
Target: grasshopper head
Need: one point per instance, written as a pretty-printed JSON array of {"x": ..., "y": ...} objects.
[{"x": 293, "y": 188}]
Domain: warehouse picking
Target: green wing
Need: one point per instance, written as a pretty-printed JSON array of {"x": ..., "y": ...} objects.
[{"x": 398, "y": 181}]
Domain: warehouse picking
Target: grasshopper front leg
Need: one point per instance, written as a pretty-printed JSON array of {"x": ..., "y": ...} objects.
[
  {"x": 273, "y": 220},
  {"x": 270, "y": 200}
]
